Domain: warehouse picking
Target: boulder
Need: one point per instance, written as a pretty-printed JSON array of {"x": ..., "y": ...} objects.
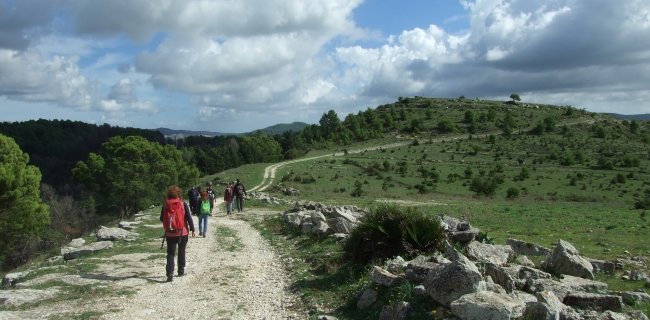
[
  {"x": 584, "y": 285},
  {"x": 395, "y": 265},
  {"x": 524, "y": 261},
  {"x": 341, "y": 225},
  {"x": 126, "y": 225},
  {"x": 463, "y": 236},
  {"x": 317, "y": 216},
  {"x": 602, "y": 265},
  {"x": 631, "y": 297},
  {"x": 383, "y": 277},
  {"x": 523, "y": 297},
  {"x": 637, "y": 275},
  {"x": 547, "y": 307},
  {"x": 488, "y": 253},
  {"x": 397, "y": 312},
  {"x": 527, "y": 248},
  {"x": 637, "y": 315},
  {"x": 73, "y": 253},
  {"x": 110, "y": 234},
  {"x": 457, "y": 279},
  {"x": 593, "y": 301},
  {"x": 307, "y": 225},
  {"x": 76, "y": 243},
  {"x": 559, "y": 289},
  {"x": 417, "y": 271},
  {"x": 566, "y": 260},
  {"x": 501, "y": 276},
  {"x": 368, "y": 297},
  {"x": 321, "y": 228},
  {"x": 339, "y": 212},
  {"x": 486, "y": 305},
  {"x": 10, "y": 278},
  {"x": 294, "y": 219},
  {"x": 339, "y": 236}
]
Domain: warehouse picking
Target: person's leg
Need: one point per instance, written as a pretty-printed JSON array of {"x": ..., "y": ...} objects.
[
  {"x": 240, "y": 204},
  {"x": 211, "y": 206},
  {"x": 200, "y": 224},
  {"x": 205, "y": 225},
  {"x": 232, "y": 205},
  {"x": 181, "y": 255},
  {"x": 172, "y": 243}
]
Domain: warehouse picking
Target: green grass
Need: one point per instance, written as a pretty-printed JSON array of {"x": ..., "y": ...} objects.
[{"x": 228, "y": 240}]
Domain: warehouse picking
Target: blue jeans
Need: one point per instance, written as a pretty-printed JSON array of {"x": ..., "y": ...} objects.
[
  {"x": 240, "y": 203},
  {"x": 203, "y": 223}
]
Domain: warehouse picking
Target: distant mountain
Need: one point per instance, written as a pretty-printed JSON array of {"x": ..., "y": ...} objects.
[
  {"x": 645, "y": 116},
  {"x": 283, "y": 127},
  {"x": 272, "y": 130}
]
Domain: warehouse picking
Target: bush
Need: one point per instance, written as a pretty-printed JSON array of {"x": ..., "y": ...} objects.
[
  {"x": 389, "y": 230},
  {"x": 512, "y": 193},
  {"x": 485, "y": 186}
]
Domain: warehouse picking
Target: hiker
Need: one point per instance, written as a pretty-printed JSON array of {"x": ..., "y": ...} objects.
[
  {"x": 197, "y": 206},
  {"x": 193, "y": 195},
  {"x": 212, "y": 196},
  {"x": 204, "y": 213},
  {"x": 176, "y": 218},
  {"x": 240, "y": 192},
  {"x": 228, "y": 197}
]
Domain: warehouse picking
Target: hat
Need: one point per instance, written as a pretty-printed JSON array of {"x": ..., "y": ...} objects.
[{"x": 210, "y": 183}]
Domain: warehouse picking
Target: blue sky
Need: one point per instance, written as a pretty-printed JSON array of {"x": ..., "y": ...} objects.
[{"x": 237, "y": 66}]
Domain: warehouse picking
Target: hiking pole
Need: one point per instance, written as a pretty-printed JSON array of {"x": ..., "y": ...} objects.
[{"x": 163, "y": 242}]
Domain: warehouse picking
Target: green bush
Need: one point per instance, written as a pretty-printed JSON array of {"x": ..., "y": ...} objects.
[
  {"x": 485, "y": 186},
  {"x": 388, "y": 231},
  {"x": 512, "y": 193}
]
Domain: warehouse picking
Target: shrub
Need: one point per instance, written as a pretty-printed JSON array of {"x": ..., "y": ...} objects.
[
  {"x": 512, "y": 193},
  {"x": 485, "y": 186},
  {"x": 389, "y": 230}
]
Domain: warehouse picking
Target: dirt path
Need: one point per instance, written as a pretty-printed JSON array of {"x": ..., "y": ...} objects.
[{"x": 231, "y": 274}]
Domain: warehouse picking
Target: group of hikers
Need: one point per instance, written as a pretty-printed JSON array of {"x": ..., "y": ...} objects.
[{"x": 176, "y": 216}]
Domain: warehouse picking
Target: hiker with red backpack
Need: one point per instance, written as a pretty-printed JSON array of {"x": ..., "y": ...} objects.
[
  {"x": 240, "y": 192},
  {"x": 228, "y": 197},
  {"x": 204, "y": 212},
  {"x": 177, "y": 219}
]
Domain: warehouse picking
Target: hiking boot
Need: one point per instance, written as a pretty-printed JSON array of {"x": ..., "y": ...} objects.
[
  {"x": 181, "y": 273},
  {"x": 204, "y": 235},
  {"x": 170, "y": 278},
  {"x": 200, "y": 234}
]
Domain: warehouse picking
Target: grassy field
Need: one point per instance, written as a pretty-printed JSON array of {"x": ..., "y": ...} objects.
[{"x": 581, "y": 177}]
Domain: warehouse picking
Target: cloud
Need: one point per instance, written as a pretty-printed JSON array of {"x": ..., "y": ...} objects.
[
  {"x": 124, "y": 68},
  {"x": 28, "y": 77},
  {"x": 122, "y": 98},
  {"x": 566, "y": 48},
  {"x": 23, "y": 21}
]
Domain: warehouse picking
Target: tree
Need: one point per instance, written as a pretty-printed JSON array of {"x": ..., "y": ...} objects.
[
  {"x": 515, "y": 97},
  {"x": 403, "y": 114},
  {"x": 132, "y": 173},
  {"x": 512, "y": 193},
  {"x": 469, "y": 116},
  {"x": 22, "y": 212},
  {"x": 428, "y": 114},
  {"x": 634, "y": 126},
  {"x": 445, "y": 125},
  {"x": 549, "y": 124}
]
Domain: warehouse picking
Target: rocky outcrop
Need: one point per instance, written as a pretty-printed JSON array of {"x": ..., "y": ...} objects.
[
  {"x": 313, "y": 217},
  {"x": 487, "y": 305},
  {"x": 10, "y": 278},
  {"x": 458, "y": 230},
  {"x": 456, "y": 279},
  {"x": 488, "y": 253},
  {"x": 383, "y": 277},
  {"x": 397, "y": 312},
  {"x": 111, "y": 234},
  {"x": 20, "y": 296},
  {"x": 73, "y": 253},
  {"x": 368, "y": 297},
  {"x": 567, "y": 260},
  {"x": 547, "y": 307}
]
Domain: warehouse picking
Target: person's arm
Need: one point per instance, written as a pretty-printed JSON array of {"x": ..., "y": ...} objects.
[
  {"x": 162, "y": 210},
  {"x": 188, "y": 217},
  {"x": 242, "y": 186}
]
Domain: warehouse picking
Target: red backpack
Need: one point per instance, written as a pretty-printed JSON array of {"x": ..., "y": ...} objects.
[{"x": 174, "y": 215}]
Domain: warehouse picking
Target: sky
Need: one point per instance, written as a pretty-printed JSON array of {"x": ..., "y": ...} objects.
[{"x": 239, "y": 65}]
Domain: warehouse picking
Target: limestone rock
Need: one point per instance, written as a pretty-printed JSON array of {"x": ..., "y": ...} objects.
[
  {"x": 585, "y": 285},
  {"x": 547, "y": 307},
  {"x": 486, "y": 305},
  {"x": 10, "y": 278},
  {"x": 637, "y": 275},
  {"x": 317, "y": 216},
  {"x": 463, "y": 236},
  {"x": 339, "y": 236},
  {"x": 527, "y": 248},
  {"x": 341, "y": 225},
  {"x": 383, "y": 277},
  {"x": 110, "y": 234},
  {"x": 76, "y": 243},
  {"x": 488, "y": 253},
  {"x": 567, "y": 260},
  {"x": 339, "y": 212},
  {"x": 524, "y": 261},
  {"x": 631, "y": 297},
  {"x": 73, "y": 253},
  {"x": 395, "y": 265},
  {"x": 417, "y": 271},
  {"x": 397, "y": 312},
  {"x": 500, "y": 276},
  {"x": 307, "y": 226},
  {"x": 368, "y": 297},
  {"x": 594, "y": 301},
  {"x": 457, "y": 279},
  {"x": 609, "y": 315},
  {"x": 637, "y": 315},
  {"x": 321, "y": 228}
]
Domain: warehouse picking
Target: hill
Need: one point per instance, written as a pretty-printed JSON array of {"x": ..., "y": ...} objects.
[
  {"x": 645, "y": 116},
  {"x": 272, "y": 130}
]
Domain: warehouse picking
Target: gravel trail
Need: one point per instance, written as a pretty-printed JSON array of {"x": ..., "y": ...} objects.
[{"x": 238, "y": 276}]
